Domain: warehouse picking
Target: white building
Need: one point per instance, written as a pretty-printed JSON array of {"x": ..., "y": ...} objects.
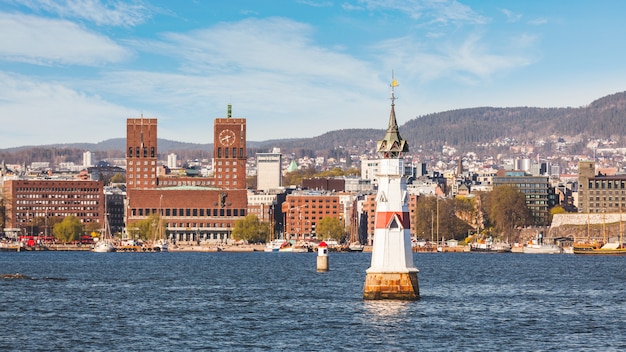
[
  {"x": 172, "y": 161},
  {"x": 87, "y": 159},
  {"x": 269, "y": 173}
]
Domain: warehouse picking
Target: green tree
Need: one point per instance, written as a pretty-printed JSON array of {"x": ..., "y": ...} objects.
[
  {"x": 68, "y": 230},
  {"x": 117, "y": 178},
  {"x": 251, "y": 229},
  {"x": 436, "y": 219},
  {"x": 507, "y": 209},
  {"x": 330, "y": 228},
  {"x": 146, "y": 229},
  {"x": 93, "y": 227},
  {"x": 557, "y": 210}
]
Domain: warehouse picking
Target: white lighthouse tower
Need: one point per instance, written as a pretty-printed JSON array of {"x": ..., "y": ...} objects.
[{"x": 392, "y": 274}]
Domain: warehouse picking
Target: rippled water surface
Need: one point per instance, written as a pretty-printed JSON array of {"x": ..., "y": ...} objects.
[{"x": 277, "y": 301}]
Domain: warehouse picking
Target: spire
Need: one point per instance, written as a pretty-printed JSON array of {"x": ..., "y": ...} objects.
[{"x": 392, "y": 145}]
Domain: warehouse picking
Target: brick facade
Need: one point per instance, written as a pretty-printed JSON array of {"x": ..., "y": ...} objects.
[
  {"x": 194, "y": 208},
  {"x": 38, "y": 198}
]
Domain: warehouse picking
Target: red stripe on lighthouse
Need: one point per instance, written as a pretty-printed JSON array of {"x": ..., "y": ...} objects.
[{"x": 384, "y": 217}]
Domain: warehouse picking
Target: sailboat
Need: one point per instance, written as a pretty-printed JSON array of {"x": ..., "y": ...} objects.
[
  {"x": 160, "y": 243},
  {"x": 355, "y": 245},
  {"x": 105, "y": 243},
  {"x": 607, "y": 248}
]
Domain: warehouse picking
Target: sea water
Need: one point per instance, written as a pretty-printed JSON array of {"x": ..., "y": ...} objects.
[{"x": 278, "y": 301}]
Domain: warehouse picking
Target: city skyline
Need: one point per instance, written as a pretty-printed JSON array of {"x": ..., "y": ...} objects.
[{"x": 74, "y": 71}]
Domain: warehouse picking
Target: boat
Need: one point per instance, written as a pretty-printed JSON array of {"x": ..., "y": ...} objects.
[
  {"x": 355, "y": 244},
  {"x": 534, "y": 248},
  {"x": 159, "y": 244},
  {"x": 490, "y": 247},
  {"x": 611, "y": 248},
  {"x": 355, "y": 247},
  {"x": 105, "y": 244},
  {"x": 600, "y": 248},
  {"x": 291, "y": 246},
  {"x": 537, "y": 246},
  {"x": 273, "y": 246}
]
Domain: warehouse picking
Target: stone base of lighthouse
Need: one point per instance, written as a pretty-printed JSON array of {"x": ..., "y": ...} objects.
[{"x": 393, "y": 286}]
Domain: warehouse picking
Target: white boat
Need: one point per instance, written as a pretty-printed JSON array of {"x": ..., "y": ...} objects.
[
  {"x": 534, "y": 248},
  {"x": 104, "y": 246},
  {"x": 160, "y": 245},
  {"x": 273, "y": 246},
  {"x": 355, "y": 247},
  {"x": 288, "y": 246},
  {"x": 105, "y": 243}
]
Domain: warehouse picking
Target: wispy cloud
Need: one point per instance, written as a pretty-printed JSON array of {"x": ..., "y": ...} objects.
[
  {"x": 538, "y": 21},
  {"x": 109, "y": 13},
  {"x": 511, "y": 16},
  {"x": 60, "y": 113},
  {"x": 436, "y": 11},
  {"x": 273, "y": 45},
  {"x": 469, "y": 61},
  {"x": 313, "y": 3},
  {"x": 44, "y": 41}
]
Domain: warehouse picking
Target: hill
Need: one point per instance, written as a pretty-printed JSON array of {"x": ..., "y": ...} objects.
[{"x": 464, "y": 129}]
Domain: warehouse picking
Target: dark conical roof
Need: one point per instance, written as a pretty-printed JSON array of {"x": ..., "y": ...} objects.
[{"x": 392, "y": 145}]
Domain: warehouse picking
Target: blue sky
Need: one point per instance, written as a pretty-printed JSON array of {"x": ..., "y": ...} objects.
[{"x": 74, "y": 71}]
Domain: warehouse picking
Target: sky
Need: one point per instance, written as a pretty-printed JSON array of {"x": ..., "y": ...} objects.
[{"x": 73, "y": 71}]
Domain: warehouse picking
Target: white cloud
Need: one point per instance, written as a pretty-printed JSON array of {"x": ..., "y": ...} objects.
[
  {"x": 43, "y": 41},
  {"x": 469, "y": 61},
  {"x": 47, "y": 112},
  {"x": 511, "y": 16},
  {"x": 538, "y": 21},
  {"x": 112, "y": 13},
  {"x": 437, "y": 11}
]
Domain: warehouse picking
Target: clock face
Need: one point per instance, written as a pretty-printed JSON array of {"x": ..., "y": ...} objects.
[{"x": 227, "y": 137}]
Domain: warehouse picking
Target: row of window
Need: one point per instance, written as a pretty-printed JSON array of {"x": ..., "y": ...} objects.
[
  {"x": 139, "y": 150},
  {"x": 193, "y": 225},
  {"x": 194, "y": 212},
  {"x": 57, "y": 189},
  {"x": 53, "y": 203},
  {"x": 27, "y": 216},
  {"x": 199, "y": 182},
  {"x": 57, "y": 196},
  {"x": 145, "y": 162},
  {"x": 226, "y": 152},
  {"x": 608, "y": 184}
]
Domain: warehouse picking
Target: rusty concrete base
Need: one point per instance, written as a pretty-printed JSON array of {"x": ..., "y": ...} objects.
[
  {"x": 322, "y": 263},
  {"x": 397, "y": 286}
]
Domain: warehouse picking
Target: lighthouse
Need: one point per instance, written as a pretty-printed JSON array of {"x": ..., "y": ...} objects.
[{"x": 392, "y": 274}]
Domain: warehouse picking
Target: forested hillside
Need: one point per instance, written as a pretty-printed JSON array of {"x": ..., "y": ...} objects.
[{"x": 463, "y": 129}]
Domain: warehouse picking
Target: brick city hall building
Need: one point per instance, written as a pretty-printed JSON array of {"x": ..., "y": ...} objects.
[{"x": 193, "y": 208}]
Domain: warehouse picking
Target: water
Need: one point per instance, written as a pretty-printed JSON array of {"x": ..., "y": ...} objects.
[{"x": 277, "y": 301}]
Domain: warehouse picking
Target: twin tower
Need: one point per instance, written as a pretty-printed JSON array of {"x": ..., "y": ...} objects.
[{"x": 392, "y": 274}]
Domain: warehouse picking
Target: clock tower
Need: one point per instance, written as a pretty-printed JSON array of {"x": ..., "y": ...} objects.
[{"x": 229, "y": 152}]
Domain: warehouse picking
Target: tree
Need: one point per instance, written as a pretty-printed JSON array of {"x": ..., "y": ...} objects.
[
  {"x": 251, "y": 229},
  {"x": 93, "y": 227},
  {"x": 507, "y": 209},
  {"x": 117, "y": 178},
  {"x": 436, "y": 219},
  {"x": 68, "y": 230},
  {"x": 146, "y": 229},
  {"x": 330, "y": 228}
]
